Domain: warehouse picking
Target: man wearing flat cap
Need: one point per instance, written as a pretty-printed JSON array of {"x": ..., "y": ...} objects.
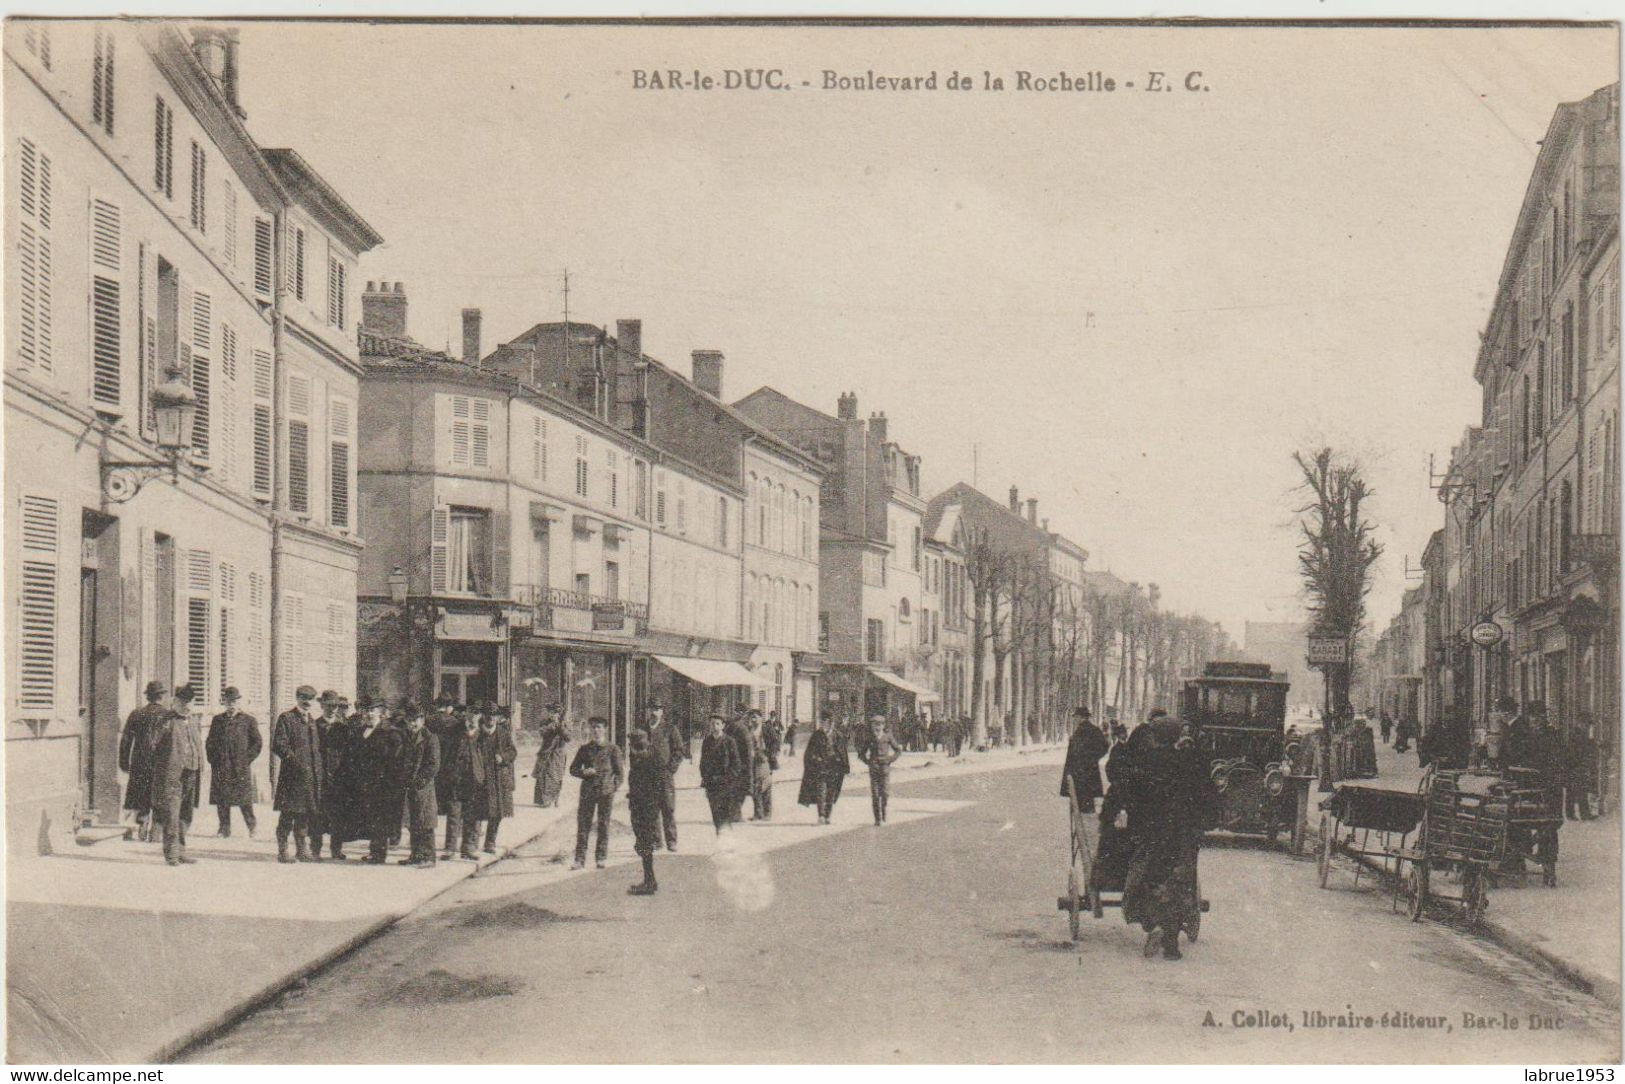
[
  {"x": 297, "y": 747},
  {"x": 233, "y": 746},
  {"x": 335, "y": 814},
  {"x": 177, "y": 764},
  {"x": 135, "y": 756}
]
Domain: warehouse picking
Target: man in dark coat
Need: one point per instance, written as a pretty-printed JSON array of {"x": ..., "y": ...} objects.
[
  {"x": 177, "y": 767},
  {"x": 764, "y": 762},
  {"x": 497, "y": 734},
  {"x": 669, "y": 749},
  {"x": 744, "y": 757},
  {"x": 773, "y": 735},
  {"x": 465, "y": 767},
  {"x": 233, "y": 746},
  {"x": 135, "y": 756},
  {"x": 821, "y": 772},
  {"x": 297, "y": 746},
  {"x": 1083, "y": 753},
  {"x": 374, "y": 769},
  {"x": 336, "y": 817},
  {"x": 719, "y": 757},
  {"x": 645, "y": 782},
  {"x": 879, "y": 752},
  {"x": 598, "y": 765},
  {"x": 1169, "y": 801},
  {"x": 420, "y": 769},
  {"x": 1581, "y": 772}
]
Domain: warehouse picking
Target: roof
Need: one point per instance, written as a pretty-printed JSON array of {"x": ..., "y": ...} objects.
[
  {"x": 319, "y": 198},
  {"x": 767, "y": 392},
  {"x": 941, "y": 521},
  {"x": 1105, "y": 583}
]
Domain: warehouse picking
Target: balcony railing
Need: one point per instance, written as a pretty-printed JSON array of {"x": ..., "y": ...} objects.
[{"x": 541, "y": 598}]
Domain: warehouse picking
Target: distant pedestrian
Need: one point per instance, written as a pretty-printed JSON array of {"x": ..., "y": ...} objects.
[
  {"x": 1387, "y": 724},
  {"x": 1582, "y": 772},
  {"x": 879, "y": 752},
  {"x": 764, "y": 762},
  {"x": 739, "y": 732},
  {"x": 297, "y": 748},
  {"x": 497, "y": 732},
  {"x": 420, "y": 768},
  {"x": 232, "y": 747},
  {"x": 790, "y": 739},
  {"x": 598, "y": 765},
  {"x": 645, "y": 783},
  {"x": 773, "y": 733},
  {"x": 135, "y": 756},
  {"x": 177, "y": 766},
  {"x": 719, "y": 757},
  {"x": 552, "y": 758}
]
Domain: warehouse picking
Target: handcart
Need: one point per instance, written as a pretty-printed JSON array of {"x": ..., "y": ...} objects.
[
  {"x": 1353, "y": 812},
  {"x": 1098, "y": 869},
  {"x": 1478, "y": 824}
]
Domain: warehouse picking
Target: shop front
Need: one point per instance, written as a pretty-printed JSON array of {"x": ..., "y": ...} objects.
[
  {"x": 580, "y": 653},
  {"x": 693, "y": 688}
]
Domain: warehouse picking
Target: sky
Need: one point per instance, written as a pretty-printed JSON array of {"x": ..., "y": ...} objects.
[{"x": 1133, "y": 305}]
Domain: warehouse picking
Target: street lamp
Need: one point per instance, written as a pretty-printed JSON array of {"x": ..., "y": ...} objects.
[
  {"x": 173, "y": 407},
  {"x": 397, "y": 585}
]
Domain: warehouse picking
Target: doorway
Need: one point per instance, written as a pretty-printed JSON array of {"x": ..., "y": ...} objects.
[{"x": 100, "y": 598}]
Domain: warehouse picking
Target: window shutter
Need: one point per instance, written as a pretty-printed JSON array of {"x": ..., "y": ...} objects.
[
  {"x": 262, "y": 424},
  {"x": 37, "y": 604},
  {"x": 226, "y": 648},
  {"x": 299, "y": 443},
  {"x": 292, "y": 633},
  {"x": 149, "y": 593},
  {"x": 262, "y": 256},
  {"x": 202, "y": 372},
  {"x": 338, "y": 418},
  {"x": 439, "y": 541},
  {"x": 34, "y": 286},
  {"x": 164, "y": 150},
  {"x": 228, "y": 208},
  {"x": 335, "y": 290},
  {"x": 106, "y": 318},
  {"x": 459, "y": 429},
  {"x": 231, "y": 394},
  {"x": 200, "y": 189},
  {"x": 256, "y": 689},
  {"x": 481, "y": 432},
  {"x": 538, "y": 449}
]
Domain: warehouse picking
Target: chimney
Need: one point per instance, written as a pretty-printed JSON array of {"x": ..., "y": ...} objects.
[
  {"x": 877, "y": 425},
  {"x": 629, "y": 334},
  {"x": 846, "y": 407},
  {"x": 708, "y": 372},
  {"x": 1032, "y": 511},
  {"x": 216, "y": 51},
  {"x": 1015, "y": 501},
  {"x": 471, "y": 336},
  {"x": 383, "y": 310}
]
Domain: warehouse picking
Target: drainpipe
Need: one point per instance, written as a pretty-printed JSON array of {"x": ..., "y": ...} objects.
[{"x": 279, "y": 480}]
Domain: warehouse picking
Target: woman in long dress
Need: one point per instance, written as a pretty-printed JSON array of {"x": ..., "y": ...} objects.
[{"x": 551, "y": 759}]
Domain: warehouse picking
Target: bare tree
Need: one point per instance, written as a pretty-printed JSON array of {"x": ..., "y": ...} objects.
[
  {"x": 985, "y": 569},
  {"x": 1335, "y": 555}
]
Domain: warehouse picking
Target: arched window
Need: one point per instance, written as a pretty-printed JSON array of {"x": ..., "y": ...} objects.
[{"x": 764, "y": 502}]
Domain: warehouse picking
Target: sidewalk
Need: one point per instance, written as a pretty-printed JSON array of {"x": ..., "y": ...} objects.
[
  {"x": 1573, "y": 928},
  {"x": 115, "y": 957}
]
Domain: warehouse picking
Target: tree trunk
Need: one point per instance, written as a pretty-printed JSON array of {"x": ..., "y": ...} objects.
[{"x": 978, "y": 627}]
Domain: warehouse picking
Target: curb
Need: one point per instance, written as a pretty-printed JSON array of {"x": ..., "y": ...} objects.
[{"x": 1604, "y": 989}]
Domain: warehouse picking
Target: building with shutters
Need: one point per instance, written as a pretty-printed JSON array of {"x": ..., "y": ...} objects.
[{"x": 144, "y": 233}]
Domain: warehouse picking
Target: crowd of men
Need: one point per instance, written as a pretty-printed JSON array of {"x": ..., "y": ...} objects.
[{"x": 338, "y": 776}]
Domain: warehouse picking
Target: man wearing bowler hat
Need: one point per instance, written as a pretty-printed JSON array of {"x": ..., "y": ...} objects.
[
  {"x": 297, "y": 747},
  {"x": 177, "y": 764},
  {"x": 233, "y": 746},
  {"x": 135, "y": 756}
]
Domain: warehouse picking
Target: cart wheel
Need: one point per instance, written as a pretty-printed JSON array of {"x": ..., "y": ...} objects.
[
  {"x": 1193, "y": 921},
  {"x": 1325, "y": 848},
  {"x": 1419, "y": 888},
  {"x": 1074, "y": 902},
  {"x": 1474, "y": 894}
]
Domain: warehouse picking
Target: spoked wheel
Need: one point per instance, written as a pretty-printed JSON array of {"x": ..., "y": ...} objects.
[
  {"x": 1474, "y": 895},
  {"x": 1419, "y": 888},
  {"x": 1326, "y": 840}
]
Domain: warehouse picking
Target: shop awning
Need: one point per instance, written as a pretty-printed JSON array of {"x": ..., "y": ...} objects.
[
  {"x": 711, "y": 671},
  {"x": 924, "y": 695}
]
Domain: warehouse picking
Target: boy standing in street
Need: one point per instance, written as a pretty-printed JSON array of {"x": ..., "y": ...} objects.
[
  {"x": 598, "y": 765},
  {"x": 645, "y": 782},
  {"x": 880, "y": 752}
]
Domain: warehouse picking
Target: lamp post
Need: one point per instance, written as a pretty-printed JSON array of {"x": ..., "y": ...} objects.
[{"x": 174, "y": 407}]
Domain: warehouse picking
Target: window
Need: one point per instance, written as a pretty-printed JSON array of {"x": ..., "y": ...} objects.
[
  {"x": 163, "y": 152},
  {"x": 34, "y": 273},
  {"x": 682, "y": 505},
  {"x": 614, "y": 478},
  {"x": 299, "y": 443},
  {"x": 262, "y": 424},
  {"x": 581, "y": 466},
  {"x": 229, "y": 244},
  {"x": 101, "y": 82},
  {"x": 37, "y": 40},
  {"x": 583, "y": 583},
  {"x": 612, "y": 580},
  {"x": 202, "y": 372},
  {"x": 640, "y": 498},
  {"x": 539, "y": 554},
  {"x": 200, "y": 189},
  {"x": 1568, "y": 354},
  {"x": 262, "y": 256},
  {"x": 338, "y": 419},
  {"x": 199, "y": 570},
  {"x": 335, "y": 292},
  {"x": 296, "y": 261},
  {"x": 722, "y": 522},
  {"x": 916, "y": 550},
  {"x": 874, "y": 641},
  {"x": 460, "y": 550},
  {"x": 660, "y": 503},
  {"x": 538, "y": 448},
  {"x": 470, "y": 431},
  {"x": 37, "y": 604},
  {"x": 106, "y": 325}
]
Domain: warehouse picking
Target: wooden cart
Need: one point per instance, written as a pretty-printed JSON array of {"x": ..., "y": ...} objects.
[
  {"x": 1353, "y": 812},
  {"x": 1098, "y": 867}
]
